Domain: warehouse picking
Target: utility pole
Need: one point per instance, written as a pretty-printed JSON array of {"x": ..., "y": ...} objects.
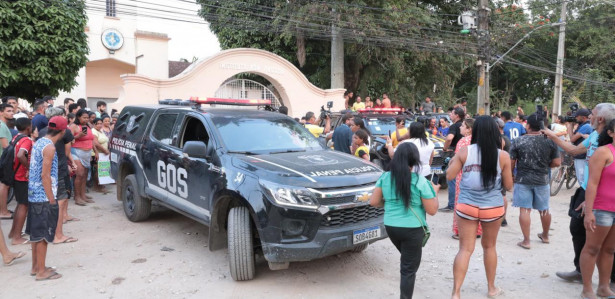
[
  {"x": 482, "y": 103},
  {"x": 337, "y": 55},
  {"x": 559, "y": 71}
]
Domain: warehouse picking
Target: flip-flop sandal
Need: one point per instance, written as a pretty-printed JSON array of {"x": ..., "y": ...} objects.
[
  {"x": 54, "y": 275},
  {"x": 541, "y": 239},
  {"x": 67, "y": 240},
  {"x": 18, "y": 256},
  {"x": 74, "y": 219},
  {"x": 7, "y": 217},
  {"x": 47, "y": 268},
  {"x": 520, "y": 244},
  {"x": 83, "y": 203},
  {"x": 23, "y": 243}
]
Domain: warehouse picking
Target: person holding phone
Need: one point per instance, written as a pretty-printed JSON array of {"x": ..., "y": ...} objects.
[
  {"x": 82, "y": 151},
  {"x": 406, "y": 197}
]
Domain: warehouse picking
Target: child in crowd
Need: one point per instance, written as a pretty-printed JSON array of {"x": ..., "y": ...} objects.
[
  {"x": 361, "y": 141},
  {"x": 21, "y": 165}
]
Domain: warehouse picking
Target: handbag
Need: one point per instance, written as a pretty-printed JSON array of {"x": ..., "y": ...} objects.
[
  {"x": 426, "y": 231},
  {"x": 575, "y": 201}
]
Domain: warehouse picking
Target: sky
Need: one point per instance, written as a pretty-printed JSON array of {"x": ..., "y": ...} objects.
[{"x": 189, "y": 33}]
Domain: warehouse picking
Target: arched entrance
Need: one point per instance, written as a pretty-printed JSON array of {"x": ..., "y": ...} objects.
[
  {"x": 205, "y": 77},
  {"x": 246, "y": 89}
]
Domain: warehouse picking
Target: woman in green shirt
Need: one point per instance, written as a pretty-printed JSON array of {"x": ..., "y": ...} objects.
[{"x": 406, "y": 196}]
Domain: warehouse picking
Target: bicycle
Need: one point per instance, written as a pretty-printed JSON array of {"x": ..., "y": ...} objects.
[{"x": 563, "y": 173}]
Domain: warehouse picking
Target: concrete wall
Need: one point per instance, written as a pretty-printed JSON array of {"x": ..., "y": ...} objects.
[{"x": 103, "y": 77}]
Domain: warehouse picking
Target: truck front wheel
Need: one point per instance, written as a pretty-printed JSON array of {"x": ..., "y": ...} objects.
[
  {"x": 240, "y": 244},
  {"x": 136, "y": 207}
]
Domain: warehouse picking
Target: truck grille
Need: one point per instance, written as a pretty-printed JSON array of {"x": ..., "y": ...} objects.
[
  {"x": 350, "y": 216},
  {"x": 336, "y": 200},
  {"x": 437, "y": 161}
]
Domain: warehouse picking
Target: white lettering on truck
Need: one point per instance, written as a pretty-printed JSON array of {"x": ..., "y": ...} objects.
[{"x": 173, "y": 179}]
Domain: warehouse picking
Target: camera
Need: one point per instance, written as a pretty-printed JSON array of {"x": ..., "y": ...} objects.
[
  {"x": 573, "y": 109},
  {"x": 326, "y": 112}
]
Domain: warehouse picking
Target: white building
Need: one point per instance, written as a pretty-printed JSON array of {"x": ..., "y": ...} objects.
[{"x": 126, "y": 38}]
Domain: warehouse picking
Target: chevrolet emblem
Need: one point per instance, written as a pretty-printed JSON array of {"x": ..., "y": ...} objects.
[{"x": 363, "y": 197}]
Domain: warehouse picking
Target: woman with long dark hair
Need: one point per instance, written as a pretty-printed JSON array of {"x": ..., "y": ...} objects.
[
  {"x": 424, "y": 146},
  {"x": 486, "y": 170},
  {"x": 599, "y": 217},
  {"x": 466, "y": 131},
  {"x": 406, "y": 197},
  {"x": 82, "y": 151}
]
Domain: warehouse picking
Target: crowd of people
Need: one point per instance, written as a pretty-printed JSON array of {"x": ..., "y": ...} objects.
[
  {"x": 490, "y": 156},
  {"x": 55, "y": 149}
]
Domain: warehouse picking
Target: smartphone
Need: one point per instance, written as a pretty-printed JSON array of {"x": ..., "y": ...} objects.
[
  {"x": 84, "y": 129},
  {"x": 434, "y": 178}
]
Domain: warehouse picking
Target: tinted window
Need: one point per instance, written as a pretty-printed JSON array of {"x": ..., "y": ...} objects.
[
  {"x": 261, "y": 135},
  {"x": 163, "y": 129},
  {"x": 194, "y": 131}
]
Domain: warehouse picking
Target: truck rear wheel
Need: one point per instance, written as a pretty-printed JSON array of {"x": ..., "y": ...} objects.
[
  {"x": 240, "y": 244},
  {"x": 136, "y": 207}
]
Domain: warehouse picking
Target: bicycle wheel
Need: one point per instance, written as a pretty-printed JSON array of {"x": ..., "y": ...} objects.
[
  {"x": 571, "y": 177},
  {"x": 557, "y": 179}
]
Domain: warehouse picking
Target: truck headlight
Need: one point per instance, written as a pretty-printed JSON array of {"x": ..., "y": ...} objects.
[{"x": 290, "y": 195}]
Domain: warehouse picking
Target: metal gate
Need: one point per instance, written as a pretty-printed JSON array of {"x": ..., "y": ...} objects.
[{"x": 246, "y": 89}]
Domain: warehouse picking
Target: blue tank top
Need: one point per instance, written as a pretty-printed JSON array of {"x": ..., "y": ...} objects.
[
  {"x": 471, "y": 190},
  {"x": 36, "y": 192}
]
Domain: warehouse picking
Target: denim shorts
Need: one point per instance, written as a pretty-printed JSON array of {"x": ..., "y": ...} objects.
[
  {"x": 604, "y": 218},
  {"x": 532, "y": 196}
]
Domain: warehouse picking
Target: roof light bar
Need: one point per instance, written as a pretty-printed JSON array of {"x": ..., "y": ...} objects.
[
  {"x": 239, "y": 102},
  {"x": 381, "y": 110}
]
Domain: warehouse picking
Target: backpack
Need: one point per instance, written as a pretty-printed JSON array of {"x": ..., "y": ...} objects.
[{"x": 7, "y": 169}]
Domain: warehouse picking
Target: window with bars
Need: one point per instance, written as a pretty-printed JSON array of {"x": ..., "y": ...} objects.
[{"x": 110, "y": 8}]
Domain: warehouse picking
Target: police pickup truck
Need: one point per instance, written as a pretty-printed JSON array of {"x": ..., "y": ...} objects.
[{"x": 259, "y": 180}]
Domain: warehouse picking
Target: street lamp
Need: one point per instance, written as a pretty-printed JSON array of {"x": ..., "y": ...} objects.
[{"x": 489, "y": 66}]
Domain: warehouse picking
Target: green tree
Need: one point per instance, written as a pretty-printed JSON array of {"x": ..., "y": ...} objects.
[
  {"x": 390, "y": 46},
  {"x": 42, "y": 46}
]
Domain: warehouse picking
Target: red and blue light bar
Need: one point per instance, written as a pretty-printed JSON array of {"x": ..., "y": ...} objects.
[
  {"x": 381, "y": 110},
  {"x": 240, "y": 102}
]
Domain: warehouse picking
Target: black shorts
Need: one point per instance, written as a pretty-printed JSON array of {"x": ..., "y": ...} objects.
[
  {"x": 20, "y": 189},
  {"x": 42, "y": 221},
  {"x": 62, "y": 192}
]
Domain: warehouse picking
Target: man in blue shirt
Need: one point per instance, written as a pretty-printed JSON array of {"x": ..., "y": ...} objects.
[
  {"x": 577, "y": 137},
  {"x": 512, "y": 130},
  {"x": 342, "y": 136},
  {"x": 39, "y": 121},
  {"x": 601, "y": 116}
]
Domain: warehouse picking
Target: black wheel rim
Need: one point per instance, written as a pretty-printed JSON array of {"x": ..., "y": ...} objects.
[{"x": 129, "y": 198}]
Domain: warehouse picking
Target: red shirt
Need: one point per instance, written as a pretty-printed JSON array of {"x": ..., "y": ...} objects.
[{"x": 21, "y": 170}]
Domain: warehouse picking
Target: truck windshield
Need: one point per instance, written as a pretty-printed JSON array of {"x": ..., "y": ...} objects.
[
  {"x": 382, "y": 125},
  {"x": 260, "y": 135}
]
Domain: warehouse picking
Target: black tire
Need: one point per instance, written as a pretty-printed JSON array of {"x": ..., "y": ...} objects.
[
  {"x": 136, "y": 208},
  {"x": 240, "y": 244},
  {"x": 572, "y": 177},
  {"x": 360, "y": 248},
  {"x": 557, "y": 179}
]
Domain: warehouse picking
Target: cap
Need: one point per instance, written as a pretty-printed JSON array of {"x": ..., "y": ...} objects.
[
  {"x": 582, "y": 112},
  {"x": 58, "y": 123}
]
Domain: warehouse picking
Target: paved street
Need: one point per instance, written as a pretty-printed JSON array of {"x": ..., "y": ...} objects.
[{"x": 167, "y": 257}]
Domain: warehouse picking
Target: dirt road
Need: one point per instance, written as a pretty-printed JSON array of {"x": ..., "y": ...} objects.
[{"x": 167, "y": 257}]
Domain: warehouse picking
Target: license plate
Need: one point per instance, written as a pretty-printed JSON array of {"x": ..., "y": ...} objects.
[
  {"x": 437, "y": 170},
  {"x": 366, "y": 234}
]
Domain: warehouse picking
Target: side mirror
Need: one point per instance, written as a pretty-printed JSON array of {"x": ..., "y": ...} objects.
[{"x": 195, "y": 149}]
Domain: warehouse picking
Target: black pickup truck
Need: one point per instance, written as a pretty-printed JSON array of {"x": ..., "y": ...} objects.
[{"x": 259, "y": 180}]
